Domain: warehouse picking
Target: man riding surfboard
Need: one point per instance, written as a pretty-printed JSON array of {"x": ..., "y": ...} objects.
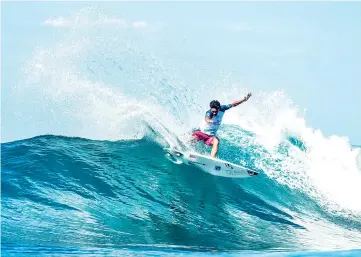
[{"x": 211, "y": 123}]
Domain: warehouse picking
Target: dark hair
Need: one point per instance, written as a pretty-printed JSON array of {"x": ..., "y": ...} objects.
[{"x": 215, "y": 104}]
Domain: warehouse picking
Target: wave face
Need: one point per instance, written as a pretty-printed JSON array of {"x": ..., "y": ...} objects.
[
  {"x": 117, "y": 99},
  {"x": 126, "y": 193}
]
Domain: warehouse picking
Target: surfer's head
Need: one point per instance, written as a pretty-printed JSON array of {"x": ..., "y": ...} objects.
[{"x": 215, "y": 105}]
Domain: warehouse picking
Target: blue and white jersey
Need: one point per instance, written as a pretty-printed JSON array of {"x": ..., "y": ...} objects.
[{"x": 210, "y": 128}]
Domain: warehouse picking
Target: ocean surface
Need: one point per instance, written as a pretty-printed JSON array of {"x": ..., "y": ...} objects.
[
  {"x": 81, "y": 196},
  {"x": 84, "y": 172}
]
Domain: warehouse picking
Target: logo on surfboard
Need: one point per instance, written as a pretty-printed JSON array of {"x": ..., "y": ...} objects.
[
  {"x": 194, "y": 163},
  {"x": 252, "y": 173},
  {"x": 229, "y": 165}
]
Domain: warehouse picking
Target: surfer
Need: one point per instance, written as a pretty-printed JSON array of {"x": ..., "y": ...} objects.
[{"x": 211, "y": 123}]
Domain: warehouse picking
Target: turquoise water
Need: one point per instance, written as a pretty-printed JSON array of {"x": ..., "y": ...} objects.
[
  {"x": 84, "y": 171},
  {"x": 71, "y": 194}
]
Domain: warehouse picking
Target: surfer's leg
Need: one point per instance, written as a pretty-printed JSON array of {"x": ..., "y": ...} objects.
[
  {"x": 193, "y": 139},
  {"x": 197, "y": 136},
  {"x": 215, "y": 147}
]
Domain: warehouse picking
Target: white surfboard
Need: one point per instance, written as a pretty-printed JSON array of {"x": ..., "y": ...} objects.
[{"x": 210, "y": 165}]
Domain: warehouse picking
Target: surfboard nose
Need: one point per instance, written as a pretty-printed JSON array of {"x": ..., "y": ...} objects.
[{"x": 173, "y": 156}]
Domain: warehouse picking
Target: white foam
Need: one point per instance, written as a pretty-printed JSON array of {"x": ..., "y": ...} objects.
[
  {"x": 98, "y": 83},
  {"x": 328, "y": 170}
]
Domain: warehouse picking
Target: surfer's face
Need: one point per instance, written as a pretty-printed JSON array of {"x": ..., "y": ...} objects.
[{"x": 214, "y": 111}]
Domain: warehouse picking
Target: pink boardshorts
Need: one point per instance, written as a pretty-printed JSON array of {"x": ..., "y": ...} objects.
[{"x": 208, "y": 140}]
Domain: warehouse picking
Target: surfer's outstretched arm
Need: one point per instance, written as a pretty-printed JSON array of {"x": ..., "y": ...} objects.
[{"x": 236, "y": 103}]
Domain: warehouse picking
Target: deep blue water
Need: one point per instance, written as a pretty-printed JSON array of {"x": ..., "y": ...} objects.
[{"x": 77, "y": 196}]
